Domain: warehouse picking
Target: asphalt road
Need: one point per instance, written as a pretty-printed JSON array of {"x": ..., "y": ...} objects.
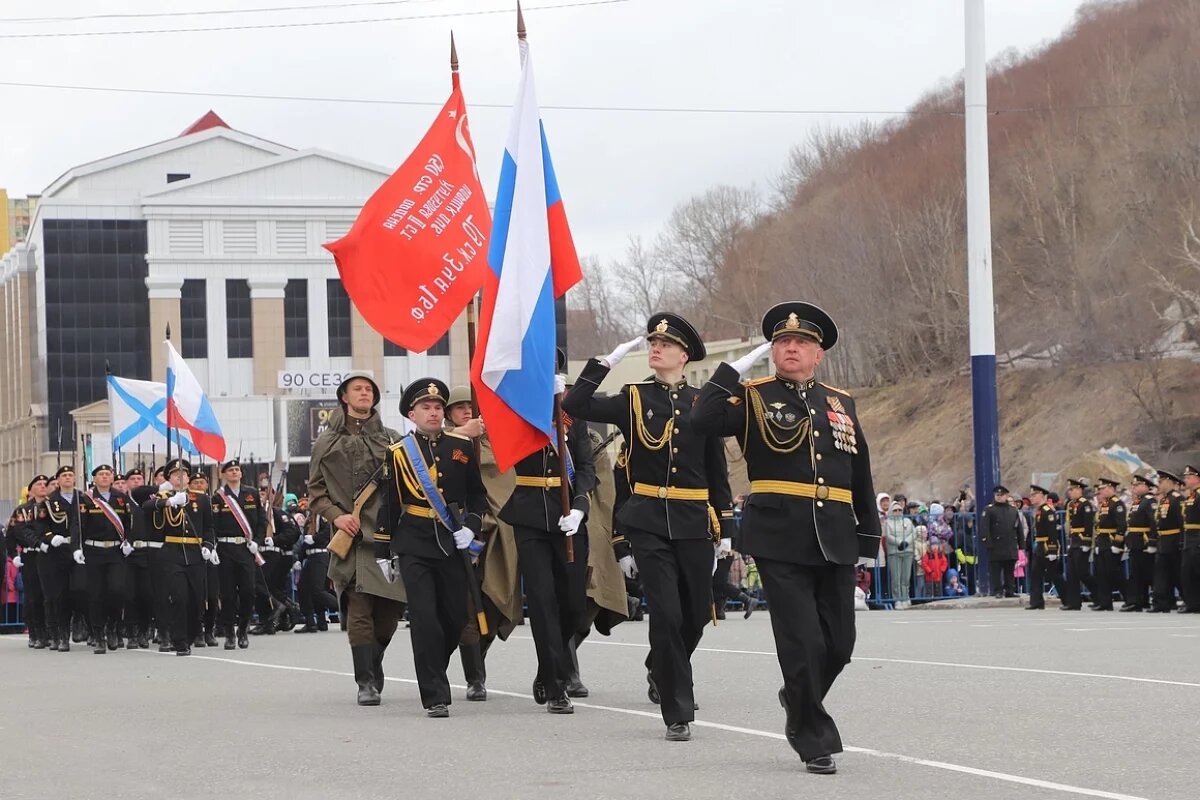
[{"x": 991, "y": 703}]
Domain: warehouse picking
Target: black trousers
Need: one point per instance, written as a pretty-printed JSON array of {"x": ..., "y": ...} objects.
[
  {"x": 186, "y": 587},
  {"x": 34, "y": 609},
  {"x": 677, "y": 579},
  {"x": 812, "y": 616},
  {"x": 722, "y": 589},
  {"x": 1001, "y": 573},
  {"x": 556, "y": 593},
  {"x": 437, "y": 613},
  {"x": 54, "y": 567},
  {"x": 270, "y": 585},
  {"x": 158, "y": 579},
  {"x": 1042, "y": 569},
  {"x": 107, "y": 581},
  {"x": 312, "y": 591},
  {"x": 235, "y": 581},
  {"x": 1109, "y": 576},
  {"x": 1141, "y": 578},
  {"x": 139, "y": 591},
  {"x": 1079, "y": 573},
  {"x": 1167, "y": 569},
  {"x": 1189, "y": 578},
  {"x": 210, "y": 603}
]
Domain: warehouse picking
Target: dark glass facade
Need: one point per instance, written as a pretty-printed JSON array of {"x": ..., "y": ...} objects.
[
  {"x": 193, "y": 318},
  {"x": 441, "y": 347},
  {"x": 391, "y": 349},
  {"x": 295, "y": 319},
  {"x": 338, "y": 307},
  {"x": 97, "y": 309},
  {"x": 239, "y": 330}
]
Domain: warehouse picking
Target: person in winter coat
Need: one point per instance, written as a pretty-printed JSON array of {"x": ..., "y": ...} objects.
[
  {"x": 1001, "y": 533},
  {"x": 899, "y": 537},
  {"x": 935, "y": 566},
  {"x": 920, "y": 549},
  {"x": 953, "y": 587}
]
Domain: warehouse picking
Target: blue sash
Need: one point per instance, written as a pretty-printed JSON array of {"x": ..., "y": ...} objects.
[{"x": 416, "y": 460}]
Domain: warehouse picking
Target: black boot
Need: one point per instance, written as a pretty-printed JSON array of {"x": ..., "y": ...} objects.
[
  {"x": 243, "y": 641},
  {"x": 309, "y": 626},
  {"x": 199, "y": 641},
  {"x": 100, "y": 648},
  {"x": 209, "y": 639},
  {"x": 322, "y": 622},
  {"x": 230, "y": 644},
  {"x": 472, "y": 664},
  {"x": 143, "y": 638},
  {"x": 164, "y": 642},
  {"x": 573, "y": 684},
  {"x": 78, "y": 629},
  {"x": 380, "y": 649},
  {"x": 364, "y": 673},
  {"x": 111, "y": 638},
  {"x": 748, "y": 604},
  {"x": 120, "y": 627}
]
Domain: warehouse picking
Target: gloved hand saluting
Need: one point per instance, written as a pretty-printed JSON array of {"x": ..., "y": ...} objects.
[
  {"x": 78, "y": 554},
  {"x": 463, "y": 538},
  {"x": 571, "y": 522},
  {"x": 628, "y": 567},
  {"x": 743, "y": 364},
  {"x": 177, "y": 499},
  {"x": 615, "y": 357}
]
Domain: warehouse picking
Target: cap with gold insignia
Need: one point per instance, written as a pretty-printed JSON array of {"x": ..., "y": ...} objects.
[
  {"x": 673, "y": 328},
  {"x": 795, "y": 318},
  {"x": 1188, "y": 469},
  {"x": 36, "y": 478},
  {"x": 1033, "y": 487},
  {"x": 1145, "y": 480},
  {"x": 366, "y": 376},
  {"x": 199, "y": 475},
  {"x": 459, "y": 394},
  {"x": 177, "y": 465},
  {"x": 1109, "y": 482},
  {"x": 230, "y": 464},
  {"x": 1163, "y": 475},
  {"x": 423, "y": 389},
  {"x": 64, "y": 468},
  {"x": 1080, "y": 483},
  {"x": 102, "y": 468}
]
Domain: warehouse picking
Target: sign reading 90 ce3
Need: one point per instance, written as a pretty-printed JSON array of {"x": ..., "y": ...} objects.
[{"x": 310, "y": 379}]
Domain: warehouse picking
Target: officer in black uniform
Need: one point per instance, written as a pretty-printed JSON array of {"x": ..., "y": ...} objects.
[
  {"x": 139, "y": 591},
  {"x": 1168, "y": 560},
  {"x": 1141, "y": 539},
  {"x": 311, "y": 587},
  {"x": 239, "y": 523},
  {"x": 105, "y": 530},
  {"x": 1189, "y": 568},
  {"x": 678, "y": 482},
  {"x": 555, "y": 589},
  {"x": 1111, "y": 521},
  {"x": 57, "y": 561},
  {"x": 185, "y": 519},
  {"x": 1081, "y": 524},
  {"x": 435, "y": 575},
  {"x": 210, "y": 607},
  {"x": 27, "y": 529},
  {"x": 272, "y": 592},
  {"x": 1000, "y": 533},
  {"x": 810, "y": 515},
  {"x": 1045, "y": 560}
]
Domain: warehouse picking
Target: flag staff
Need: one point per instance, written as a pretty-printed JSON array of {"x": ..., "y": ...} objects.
[{"x": 170, "y": 416}]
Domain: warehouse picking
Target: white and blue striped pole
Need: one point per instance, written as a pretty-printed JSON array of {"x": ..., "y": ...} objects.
[{"x": 979, "y": 274}]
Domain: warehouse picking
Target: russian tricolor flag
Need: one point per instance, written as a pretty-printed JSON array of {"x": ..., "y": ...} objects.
[
  {"x": 532, "y": 262},
  {"x": 188, "y": 409}
]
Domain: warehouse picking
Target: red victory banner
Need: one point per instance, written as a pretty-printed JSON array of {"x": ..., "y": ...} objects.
[{"x": 417, "y": 253}]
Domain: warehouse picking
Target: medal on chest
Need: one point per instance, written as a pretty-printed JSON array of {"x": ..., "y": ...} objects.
[{"x": 845, "y": 438}]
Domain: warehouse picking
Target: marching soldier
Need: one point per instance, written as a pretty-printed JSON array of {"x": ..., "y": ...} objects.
[
  {"x": 1047, "y": 543},
  {"x": 678, "y": 479},
  {"x": 28, "y": 529},
  {"x": 139, "y": 592},
  {"x": 184, "y": 517},
  {"x": 439, "y": 494},
  {"x": 240, "y": 528},
  {"x": 1189, "y": 575},
  {"x": 1170, "y": 527},
  {"x": 1111, "y": 522},
  {"x": 58, "y": 558},
  {"x": 273, "y": 598},
  {"x": 555, "y": 588},
  {"x": 1081, "y": 523},
  {"x": 315, "y": 599},
  {"x": 347, "y": 460},
  {"x": 1000, "y": 533},
  {"x": 810, "y": 515},
  {"x": 105, "y": 528},
  {"x": 210, "y": 607},
  {"x": 1141, "y": 538}
]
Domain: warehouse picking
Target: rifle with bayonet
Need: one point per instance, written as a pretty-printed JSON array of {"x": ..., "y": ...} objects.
[{"x": 341, "y": 541}]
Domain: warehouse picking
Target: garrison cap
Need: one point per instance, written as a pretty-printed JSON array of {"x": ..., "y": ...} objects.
[
  {"x": 673, "y": 328},
  {"x": 795, "y": 318},
  {"x": 423, "y": 389}
]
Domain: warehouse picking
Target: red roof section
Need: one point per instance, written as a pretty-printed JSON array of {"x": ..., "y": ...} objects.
[{"x": 209, "y": 120}]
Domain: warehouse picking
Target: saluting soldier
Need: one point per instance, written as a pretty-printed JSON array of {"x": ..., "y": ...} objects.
[
  {"x": 1169, "y": 559},
  {"x": 185, "y": 519},
  {"x": 241, "y": 529},
  {"x": 678, "y": 481},
  {"x": 139, "y": 592},
  {"x": 56, "y": 565},
  {"x": 1047, "y": 544},
  {"x": 810, "y": 515},
  {"x": 1111, "y": 522},
  {"x": 104, "y": 519},
  {"x": 1081, "y": 524},
  {"x": 1189, "y": 569},
  {"x": 555, "y": 589},
  {"x": 28, "y": 527},
  {"x": 1141, "y": 540}
]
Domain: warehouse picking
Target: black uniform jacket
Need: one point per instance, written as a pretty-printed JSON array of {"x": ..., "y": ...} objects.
[
  {"x": 451, "y": 462},
  {"x": 227, "y": 527},
  {"x": 812, "y": 499},
  {"x": 1170, "y": 521},
  {"x": 29, "y": 526},
  {"x": 1000, "y": 531},
  {"x": 674, "y": 471},
  {"x": 184, "y": 528},
  {"x": 1081, "y": 522},
  {"x": 95, "y": 526},
  {"x": 1191, "y": 520},
  {"x": 1111, "y": 520},
  {"x": 1045, "y": 529},
  {"x": 539, "y": 507},
  {"x": 1142, "y": 531},
  {"x": 64, "y": 518}
]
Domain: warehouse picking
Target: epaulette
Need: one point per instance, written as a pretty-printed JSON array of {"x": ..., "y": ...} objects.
[
  {"x": 457, "y": 435},
  {"x": 759, "y": 381},
  {"x": 836, "y": 389},
  {"x": 1047, "y": 507}
]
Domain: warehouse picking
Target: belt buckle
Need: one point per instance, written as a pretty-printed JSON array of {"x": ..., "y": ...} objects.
[
  {"x": 822, "y": 492},
  {"x": 662, "y": 493}
]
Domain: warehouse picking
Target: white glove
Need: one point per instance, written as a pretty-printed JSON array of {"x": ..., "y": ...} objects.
[
  {"x": 560, "y": 383},
  {"x": 1116, "y": 551},
  {"x": 726, "y": 546},
  {"x": 628, "y": 567},
  {"x": 309, "y": 540},
  {"x": 252, "y": 546},
  {"x": 268, "y": 542},
  {"x": 385, "y": 566},
  {"x": 78, "y": 554},
  {"x": 57, "y": 541},
  {"x": 177, "y": 499},
  {"x": 1086, "y": 548},
  {"x": 126, "y": 549},
  {"x": 463, "y": 538},
  {"x": 614, "y": 358},
  {"x": 297, "y": 566},
  {"x": 716, "y": 558},
  {"x": 206, "y": 554},
  {"x": 743, "y": 364},
  {"x": 166, "y": 486},
  {"x": 216, "y": 559},
  {"x": 1152, "y": 550},
  {"x": 43, "y": 548},
  {"x": 1052, "y": 558},
  {"x": 863, "y": 561},
  {"x": 571, "y": 522},
  {"x": 18, "y": 563}
]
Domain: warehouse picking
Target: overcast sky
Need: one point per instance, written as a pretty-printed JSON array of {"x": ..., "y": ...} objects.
[{"x": 621, "y": 172}]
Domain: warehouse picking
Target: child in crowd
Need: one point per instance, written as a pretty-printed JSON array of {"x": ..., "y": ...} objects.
[
  {"x": 953, "y": 587},
  {"x": 920, "y": 548},
  {"x": 935, "y": 567}
]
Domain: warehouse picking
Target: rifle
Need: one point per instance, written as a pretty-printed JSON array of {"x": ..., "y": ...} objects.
[{"x": 341, "y": 541}]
